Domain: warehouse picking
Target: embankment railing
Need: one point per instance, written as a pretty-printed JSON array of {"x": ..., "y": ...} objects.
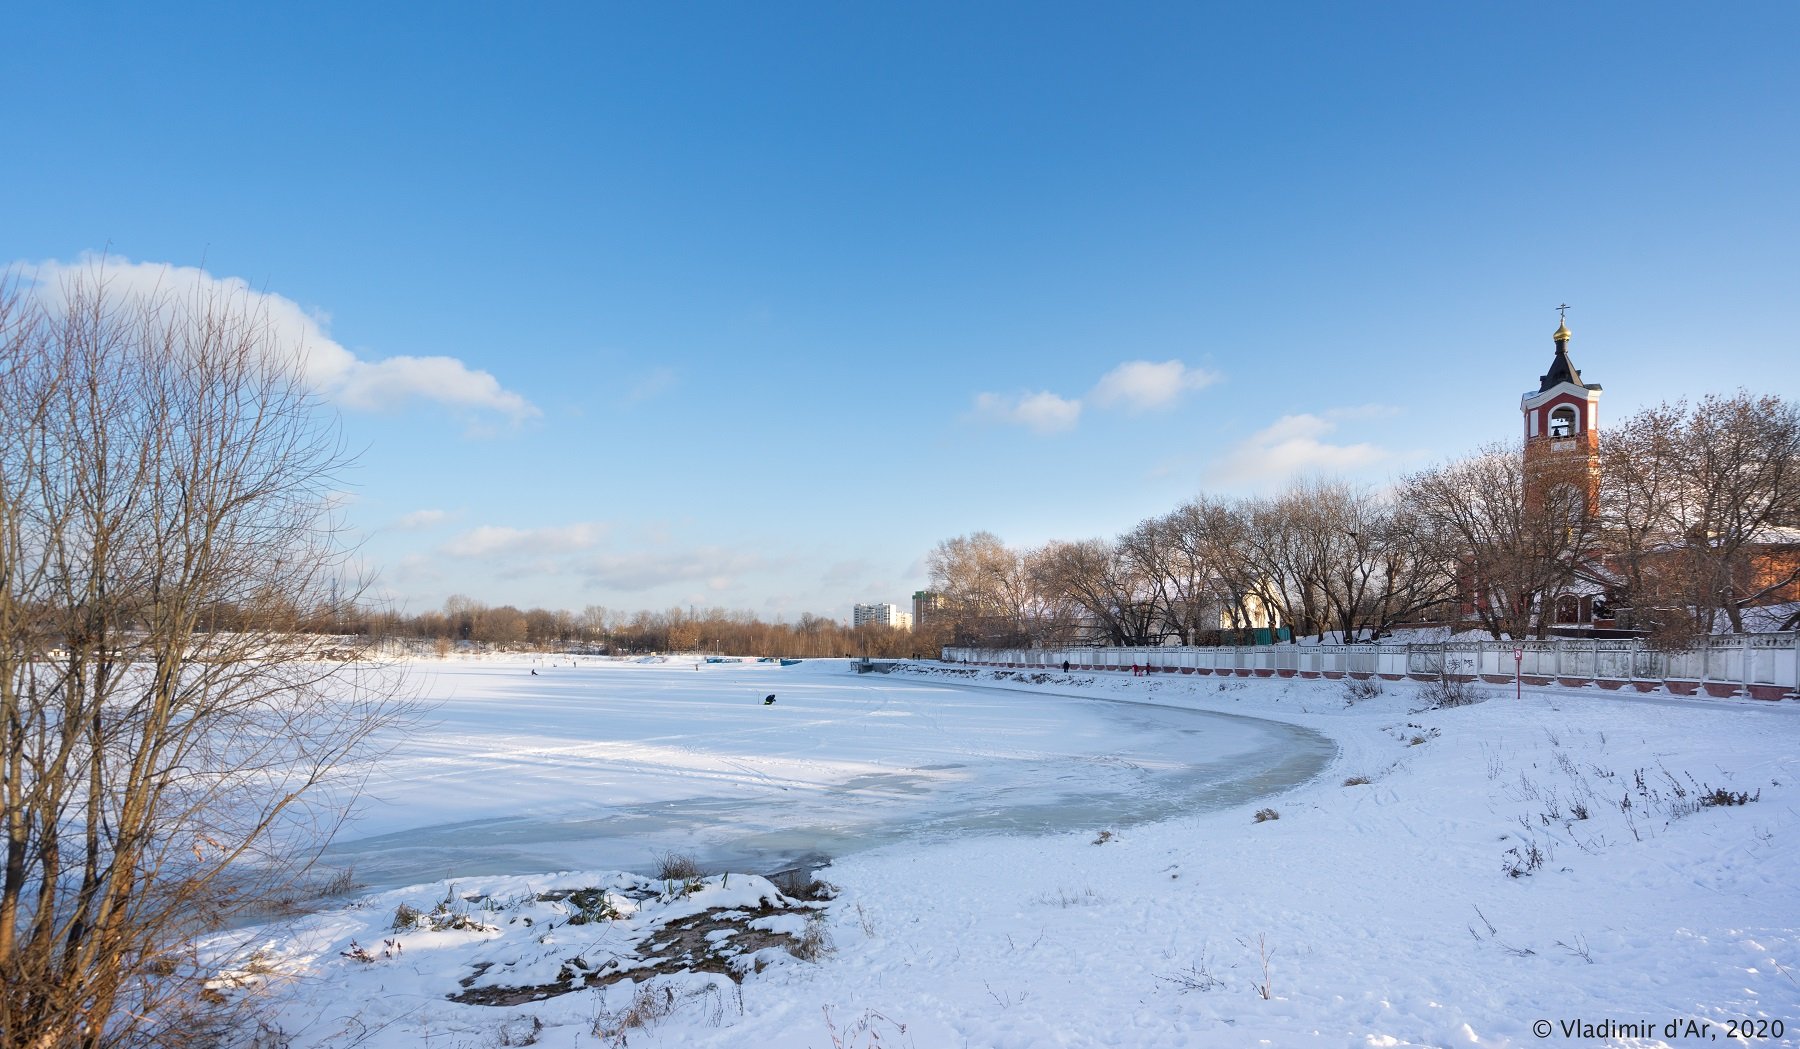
[{"x": 1759, "y": 666}]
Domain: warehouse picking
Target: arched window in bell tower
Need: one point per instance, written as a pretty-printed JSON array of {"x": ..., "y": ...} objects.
[{"x": 1562, "y": 422}]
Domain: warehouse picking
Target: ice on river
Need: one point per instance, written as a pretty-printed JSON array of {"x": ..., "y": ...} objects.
[{"x": 603, "y": 765}]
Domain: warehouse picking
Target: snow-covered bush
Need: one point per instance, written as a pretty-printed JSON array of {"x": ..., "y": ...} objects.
[{"x": 1453, "y": 685}]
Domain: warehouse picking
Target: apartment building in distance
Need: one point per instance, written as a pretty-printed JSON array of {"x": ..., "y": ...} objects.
[
  {"x": 927, "y": 604},
  {"x": 884, "y": 614}
]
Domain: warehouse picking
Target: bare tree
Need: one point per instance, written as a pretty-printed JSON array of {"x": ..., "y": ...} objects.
[
  {"x": 462, "y": 612},
  {"x": 987, "y": 592},
  {"x": 1114, "y": 593},
  {"x": 1363, "y": 555},
  {"x": 1286, "y": 560},
  {"x": 504, "y": 626},
  {"x": 1515, "y": 537},
  {"x": 1213, "y": 537},
  {"x": 1406, "y": 580},
  {"x": 1181, "y": 584},
  {"x": 161, "y": 470},
  {"x": 593, "y": 623},
  {"x": 1688, "y": 496},
  {"x": 1052, "y": 619}
]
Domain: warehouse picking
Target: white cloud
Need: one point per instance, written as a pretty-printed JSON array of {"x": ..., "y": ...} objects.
[
  {"x": 333, "y": 371},
  {"x": 1292, "y": 444},
  {"x": 1042, "y": 412},
  {"x": 1135, "y": 386},
  {"x": 491, "y": 542},
  {"x": 1148, "y": 386},
  {"x": 576, "y": 552},
  {"x": 420, "y": 520},
  {"x": 717, "y": 567},
  {"x": 377, "y": 385}
]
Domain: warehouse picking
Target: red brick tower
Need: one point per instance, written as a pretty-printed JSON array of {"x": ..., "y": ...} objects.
[{"x": 1562, "y": 428}]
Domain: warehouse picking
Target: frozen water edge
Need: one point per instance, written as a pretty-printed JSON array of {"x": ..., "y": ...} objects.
[
  {"x": 1380, "y": 909},
  {"x": 1062, "y": 762}
]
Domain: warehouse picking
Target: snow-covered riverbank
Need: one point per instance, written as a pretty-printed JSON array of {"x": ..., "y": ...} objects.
[{"x": 1550, "y": 859}]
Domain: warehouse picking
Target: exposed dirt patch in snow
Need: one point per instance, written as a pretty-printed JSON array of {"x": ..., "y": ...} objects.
[{"x": 729, "y": 941}]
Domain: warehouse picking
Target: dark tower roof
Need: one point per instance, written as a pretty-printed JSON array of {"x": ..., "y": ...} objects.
[{"x": 1561, "y": 370}]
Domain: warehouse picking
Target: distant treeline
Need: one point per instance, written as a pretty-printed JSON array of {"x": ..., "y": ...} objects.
[{"x": 603, "y": 630}]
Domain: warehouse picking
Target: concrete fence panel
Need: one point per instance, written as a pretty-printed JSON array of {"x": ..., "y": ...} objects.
[{"x": 1760, "y": 666}]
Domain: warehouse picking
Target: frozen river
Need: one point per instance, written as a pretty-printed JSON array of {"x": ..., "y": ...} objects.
[{"x": 608, "y": 766}]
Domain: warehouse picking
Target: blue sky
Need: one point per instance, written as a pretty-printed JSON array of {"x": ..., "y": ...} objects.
[{"x": 750, "y": 305}]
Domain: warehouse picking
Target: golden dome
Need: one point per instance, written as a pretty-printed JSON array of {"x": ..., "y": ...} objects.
[{"x": 1562, "y": 333}]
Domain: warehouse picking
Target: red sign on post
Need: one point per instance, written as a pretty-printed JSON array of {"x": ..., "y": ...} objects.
[{"x": 1518, "y": 662}]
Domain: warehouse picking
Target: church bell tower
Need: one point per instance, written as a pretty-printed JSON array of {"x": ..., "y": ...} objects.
[{"x": 1562, "y": 427}]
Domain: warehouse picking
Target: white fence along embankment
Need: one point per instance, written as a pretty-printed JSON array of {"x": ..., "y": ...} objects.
[{"x": 1758, "y": 666}]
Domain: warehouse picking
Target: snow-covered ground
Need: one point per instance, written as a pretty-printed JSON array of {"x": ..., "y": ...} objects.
[{"x": 1506, "y": 864}]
